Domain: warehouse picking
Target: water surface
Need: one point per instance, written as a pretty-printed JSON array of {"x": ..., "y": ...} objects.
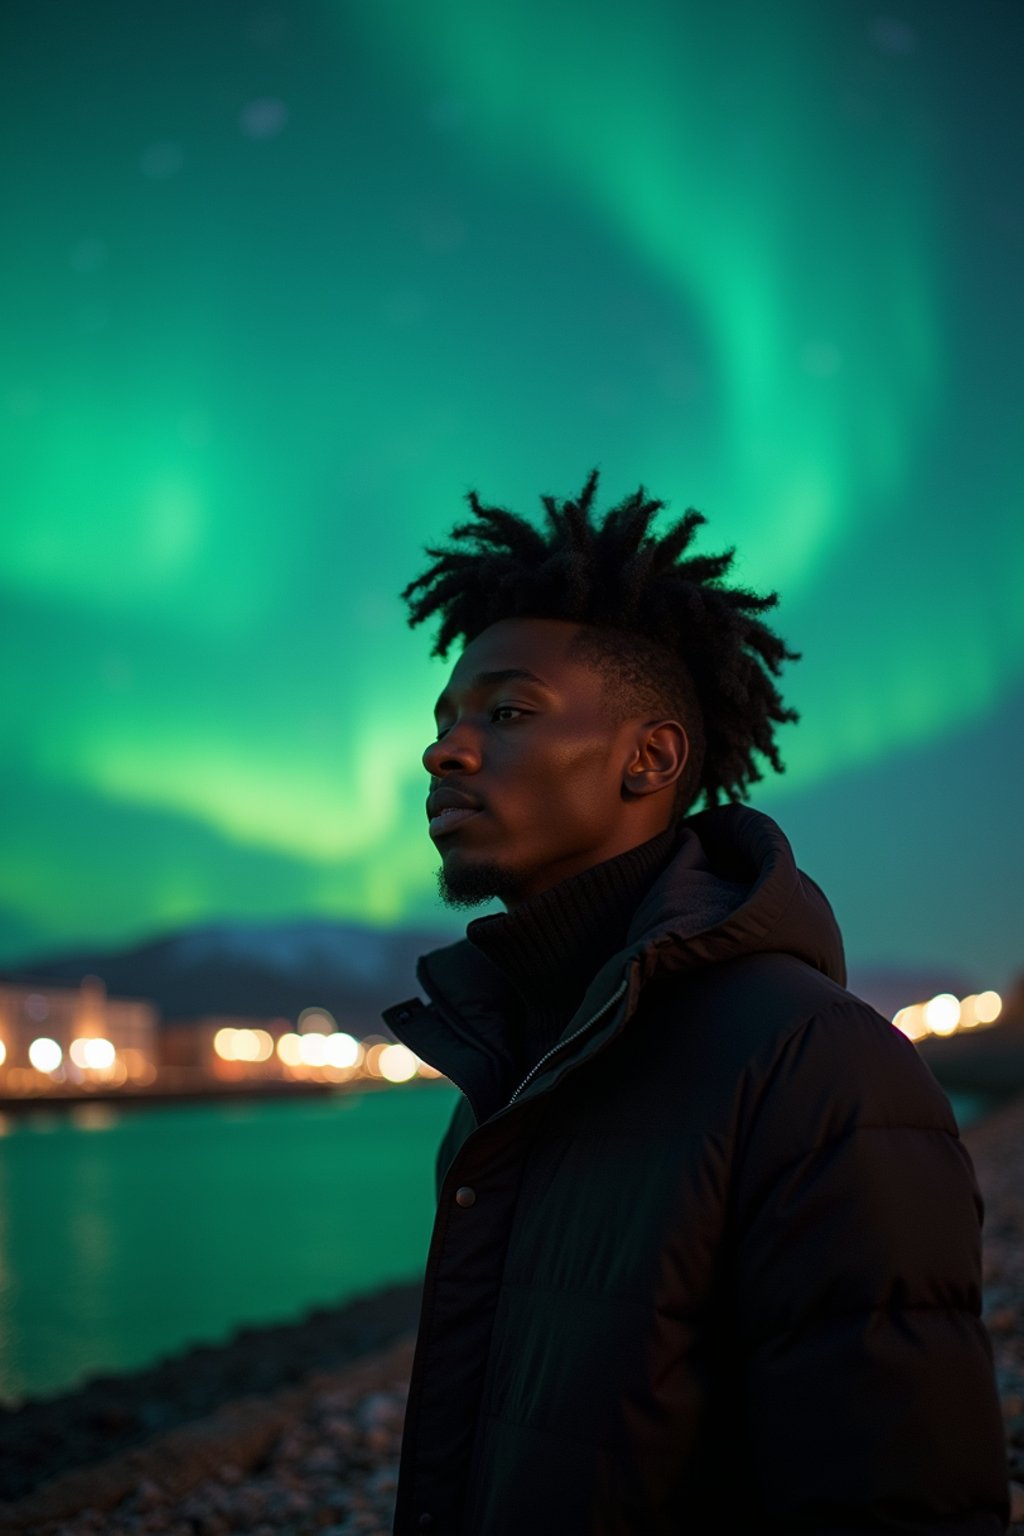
[{"x": 128, "y": 1234}]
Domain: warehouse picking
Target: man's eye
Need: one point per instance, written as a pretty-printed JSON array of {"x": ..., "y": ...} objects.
[{"x": 506, "y": 712}]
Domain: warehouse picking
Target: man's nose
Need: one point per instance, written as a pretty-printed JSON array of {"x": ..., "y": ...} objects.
[{"x": 458, "y": 751}]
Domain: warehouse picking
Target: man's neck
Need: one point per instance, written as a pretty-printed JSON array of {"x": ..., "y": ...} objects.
[{"x": 551, "y": 946}]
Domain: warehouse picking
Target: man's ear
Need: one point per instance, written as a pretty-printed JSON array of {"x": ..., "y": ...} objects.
[{"x": 658, "y": 758}]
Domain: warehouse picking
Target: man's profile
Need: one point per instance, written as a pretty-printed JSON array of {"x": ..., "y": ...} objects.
[{"x": 707, "y": 1252}]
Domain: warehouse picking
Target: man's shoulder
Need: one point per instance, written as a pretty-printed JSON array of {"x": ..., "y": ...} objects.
[
  {"x": 760, "y": 995},
  {"x": 799, "y": 1037}
]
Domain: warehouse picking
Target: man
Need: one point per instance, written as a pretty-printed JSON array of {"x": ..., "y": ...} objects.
[{"x": 706, "y": 1255}]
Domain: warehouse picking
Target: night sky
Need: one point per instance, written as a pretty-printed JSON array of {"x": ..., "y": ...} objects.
[{"x": 282, "y": 284}]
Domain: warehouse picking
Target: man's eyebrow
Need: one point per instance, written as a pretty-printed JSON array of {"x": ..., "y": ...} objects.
[{"x": 482, "y": 680}]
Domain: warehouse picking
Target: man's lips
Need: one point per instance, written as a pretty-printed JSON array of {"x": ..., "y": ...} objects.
[
  {"x": 448, "y": 809},
  {"x": 447, "y": 820}
]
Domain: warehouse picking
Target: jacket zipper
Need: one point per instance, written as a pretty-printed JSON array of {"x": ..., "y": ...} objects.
[
  {"x": 568, "y": 1040},
  {"x": 429, "y": 1285}
]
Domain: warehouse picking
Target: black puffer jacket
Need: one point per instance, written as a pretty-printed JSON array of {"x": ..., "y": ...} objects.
[{"x": 715, "y": 1265}]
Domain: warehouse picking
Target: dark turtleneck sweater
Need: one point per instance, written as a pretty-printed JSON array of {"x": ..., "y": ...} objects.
[{"x": 550, "y": 947}]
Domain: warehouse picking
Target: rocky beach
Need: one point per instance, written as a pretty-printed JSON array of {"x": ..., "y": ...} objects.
[{"x": 297, "y": 1429}]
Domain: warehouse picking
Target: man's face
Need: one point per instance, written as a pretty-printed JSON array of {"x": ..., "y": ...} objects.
[{"x": 529, "y": 768}]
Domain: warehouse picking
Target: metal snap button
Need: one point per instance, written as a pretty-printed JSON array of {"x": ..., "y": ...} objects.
[{"x": 465, "y": 1196}]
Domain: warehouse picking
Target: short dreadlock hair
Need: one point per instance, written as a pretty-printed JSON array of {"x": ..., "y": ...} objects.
[{"x": 670, "y": 639}]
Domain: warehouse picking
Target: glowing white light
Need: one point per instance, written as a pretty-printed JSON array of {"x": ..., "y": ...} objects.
[
  {"x": 910, "y": 1022},
  {"x": 987, "y": 1007},
  {"x": 289, "y": 1049},
  {"x": 314, "y": 1049},
  {"x": 3, "y": 1053},
  {"x": 243, "y": 1044},
  {"x": 101, "y": 1054},
  {"x": 246, "y": 1045},
  {"x": 92, "y": 1053},
  {"x": 942, "y": 1014},
  {"x": 45, "y": 1055},
  {"x": 968, "y": 1012},
  {"x": 371, "y": 1057},
  {"x": 224, "y": 1044},
  {"x": 397, "y": 1063},
  {"x": 342, "y": 1050}
]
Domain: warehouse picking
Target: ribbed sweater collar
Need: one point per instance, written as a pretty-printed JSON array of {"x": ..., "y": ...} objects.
[{"x": 551, "y": 947}]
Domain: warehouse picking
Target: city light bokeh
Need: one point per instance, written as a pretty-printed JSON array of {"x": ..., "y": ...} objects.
[
  {"x": 945, "y": 1015},
  {"x": 103, "y": 1045}
]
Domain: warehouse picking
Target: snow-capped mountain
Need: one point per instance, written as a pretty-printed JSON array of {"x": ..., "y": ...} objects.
[{"x": 259, "y": 970}]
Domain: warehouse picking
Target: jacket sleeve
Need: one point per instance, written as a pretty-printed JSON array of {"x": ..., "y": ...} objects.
[{"x": 867, "y": 1373}]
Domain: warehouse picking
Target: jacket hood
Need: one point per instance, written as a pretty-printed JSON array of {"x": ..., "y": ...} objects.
[{"x": 734, "y": 889}]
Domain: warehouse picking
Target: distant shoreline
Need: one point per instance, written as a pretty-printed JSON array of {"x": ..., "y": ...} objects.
[
  {"x": 145, "y": 1098},
  {"x": 991, "y": 1089}
]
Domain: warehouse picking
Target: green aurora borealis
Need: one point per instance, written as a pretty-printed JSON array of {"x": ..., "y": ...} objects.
[{"x": 282, "y": 284}]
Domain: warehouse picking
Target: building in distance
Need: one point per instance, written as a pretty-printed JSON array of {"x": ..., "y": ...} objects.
[{"x": 69, "y": 1039}]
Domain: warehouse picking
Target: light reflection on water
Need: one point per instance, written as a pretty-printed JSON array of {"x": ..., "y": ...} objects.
[
  {"x": 126, "y": 1235},
  {"x": 94, "y": 1117}
]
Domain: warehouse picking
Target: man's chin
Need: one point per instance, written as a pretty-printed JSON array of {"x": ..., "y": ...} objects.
[{"x": 471, "y": 884}]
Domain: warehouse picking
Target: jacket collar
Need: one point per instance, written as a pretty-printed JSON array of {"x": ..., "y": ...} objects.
[{"x": 733, "y": 889}]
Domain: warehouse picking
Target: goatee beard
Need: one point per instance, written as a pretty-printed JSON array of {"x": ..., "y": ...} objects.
[{"x": 475, "y": 884}]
